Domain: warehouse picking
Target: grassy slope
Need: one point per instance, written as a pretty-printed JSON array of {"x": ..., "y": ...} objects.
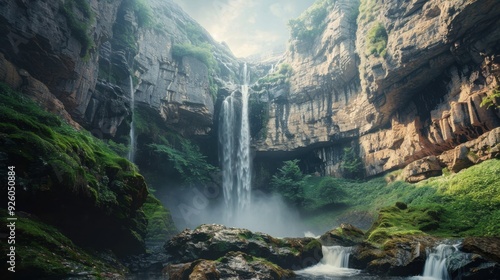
[{"x": 452, "y": 205}]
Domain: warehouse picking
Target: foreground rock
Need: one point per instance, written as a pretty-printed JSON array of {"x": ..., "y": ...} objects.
[
  {"x": 488, "y": 247},
  {"x": 234, "y": 265},
  {"x": 212, "y": 242},
  {"x": 345, "y": 235},
  {"x": 403, "y": 256}
]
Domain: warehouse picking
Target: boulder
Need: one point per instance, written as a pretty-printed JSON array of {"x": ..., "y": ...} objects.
[
  {"x": 215, "y": 241},
  {"x": 422, "y": 169},
  {"x": 233, "y": 265},
  {"x": 401, "y": 256},
  {"x": 488, "y": 247},
  {"x": 345, "y": 235}
]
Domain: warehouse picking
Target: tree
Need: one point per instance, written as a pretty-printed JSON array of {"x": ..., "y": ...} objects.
[
  {"x": 329, "y": 190},
  {"x": 351, "y": 166},
  {"x": 289, "y": 181}
]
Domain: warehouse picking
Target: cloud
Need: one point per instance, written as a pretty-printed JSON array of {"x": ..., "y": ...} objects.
[{"x": 248, "y": 27}]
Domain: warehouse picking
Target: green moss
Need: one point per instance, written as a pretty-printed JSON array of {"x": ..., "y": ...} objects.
[
  {"x": 69, "y": 169},
  {"x": 160, "y": 223},
  {"x": 201, "y": 52},
  {"x": 79, "y": 26},
  {"x": 377, "y": 40},
  {"x": 43, "y": 251},
  {"x": 314, "y": 244}
]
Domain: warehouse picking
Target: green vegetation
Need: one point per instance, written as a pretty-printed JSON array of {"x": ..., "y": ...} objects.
[
  {"x": 452, "y": 205},
  {"x": 289, "y": 182},
  {"x": 352, "y": 166},
  {"x": 79, "y": 27},
  {"x": 174, "y": 151},
  {"x": 160, "y": 224},
  {"x": 491, "y": 100},
  {"x": 312, "y": 22},
  {"x": 143, "y": 12},
  {"x": 187, "y": 160},
  {"x": 377, "y": 40},
  {"x": 281, "y": 76},
  {"x": 70, "y": 170},
  {"x": 202, "y": 52},
  {"x": 43, "y": 251}
]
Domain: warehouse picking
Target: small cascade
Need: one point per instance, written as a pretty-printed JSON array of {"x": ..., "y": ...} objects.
[
  {"x": 435, "y": 264},
  {"x": 336, "y": 256},
  {"x": 335, "y": 262},
  {"x": 234, "y": 141},
  {"x": 132, "y": 146}
]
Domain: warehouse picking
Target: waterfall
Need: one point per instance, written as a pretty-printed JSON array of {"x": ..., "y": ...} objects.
[
  {"x": 234, "y": 137},
  {"x": 132, "y": 146},
  {"x": 335, "y": 262},
  {"x": 435, "y": 264}
]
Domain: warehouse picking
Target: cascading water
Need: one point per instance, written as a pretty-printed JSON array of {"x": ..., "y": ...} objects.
[
  {"x": 435, "y": 264},
  {"x": 131, "y": 150},
  {"x": 234, "y": 139},
  {"x": 335, "y": 262}
]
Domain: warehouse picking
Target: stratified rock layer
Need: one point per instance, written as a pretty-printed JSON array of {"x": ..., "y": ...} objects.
[{"x": 419, "y": 95}]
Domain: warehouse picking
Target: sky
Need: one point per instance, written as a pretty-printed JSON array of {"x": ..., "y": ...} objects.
[{"x": 249, "y": 27}]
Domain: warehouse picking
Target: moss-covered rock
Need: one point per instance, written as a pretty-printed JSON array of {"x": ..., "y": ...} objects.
[
  {"x": 214, "y": 241},
  {"x": 43, "y": 251},
  {"x": 233, "y": 265},
  {"x": 345, "y": 235},
  {"x": 160, "y": 224},
  {"x": 70, "y": 179}
]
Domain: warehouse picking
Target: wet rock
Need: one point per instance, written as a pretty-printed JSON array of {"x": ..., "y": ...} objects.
[
  {"x": 345, "y": 235},
  {"x": 488, "y": 247},
  {"x": 402, "y": 256},
  {"x": 214, "y": 241},
  {"x": 233, "y": 265}
]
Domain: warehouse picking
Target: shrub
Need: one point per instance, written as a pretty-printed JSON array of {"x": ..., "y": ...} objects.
[
  {"x": 143, "y": 12},
  {"x": 377, "y": 40},
  {"x": 311, "y": 23},
  {"x": 491, "y": 100},
  {"x": 289, "y": 182},
  {"x": 352, "y": 166},
  {"x": 203, "y": 53},
  {"x": 329, "y": 190}
]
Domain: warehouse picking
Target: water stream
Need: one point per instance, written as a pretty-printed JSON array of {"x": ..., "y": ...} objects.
[
  {"x": 335, "y": 263},
  {"x": 132, "y": 145},
  {"x": 435, "y": 264},
  {"x": 234, "y": 139}
]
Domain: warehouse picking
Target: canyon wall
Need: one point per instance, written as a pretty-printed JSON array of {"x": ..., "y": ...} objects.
[
  {"x": 87, "y": 54},
  {"x": 398, "y": 81}
]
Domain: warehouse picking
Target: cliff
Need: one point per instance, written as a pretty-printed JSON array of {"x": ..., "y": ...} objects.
[
  {"x": 86, "y": 54},
  {"x": 396, "y": 81}
]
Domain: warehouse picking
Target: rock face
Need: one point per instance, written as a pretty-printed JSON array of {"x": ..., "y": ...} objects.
[
  {"x": 215, "y": 241},
  {"x": 87, "y": 56},
  {"x": 43, "y": 37},
  {"x": 401, "y": 82},
  {"x": 179, "y": 89}
]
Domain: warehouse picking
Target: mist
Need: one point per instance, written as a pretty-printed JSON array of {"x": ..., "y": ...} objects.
[{"x": 267, "y": 213}]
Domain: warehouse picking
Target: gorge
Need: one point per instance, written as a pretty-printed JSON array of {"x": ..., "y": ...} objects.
[{"x": 126, "y": 122}]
